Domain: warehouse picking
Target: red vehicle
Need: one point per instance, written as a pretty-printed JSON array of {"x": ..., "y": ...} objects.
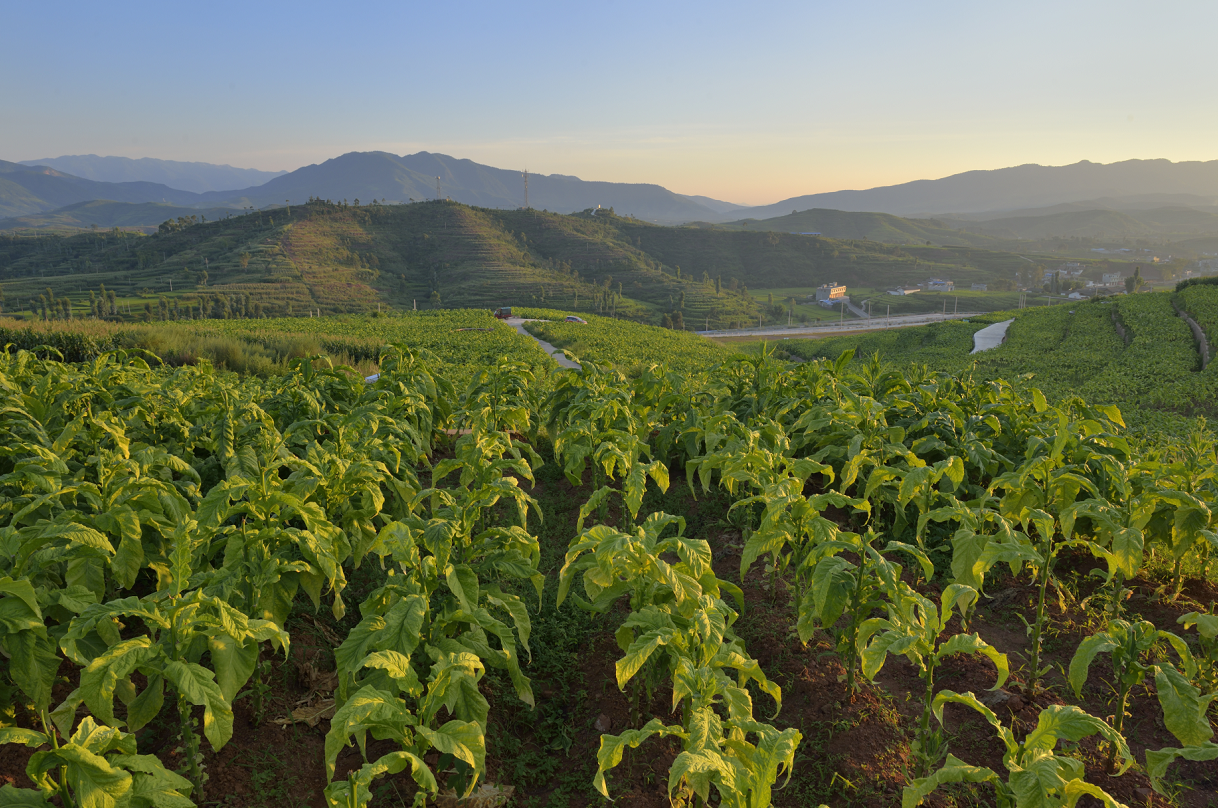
[{"x": 503, "y": 313}]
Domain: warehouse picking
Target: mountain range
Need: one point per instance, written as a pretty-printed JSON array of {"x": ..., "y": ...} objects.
[
  {"x": 32, "y": 191},
  {"x": 1008, "y": 189},
  {"x": 196, "y": 177}
]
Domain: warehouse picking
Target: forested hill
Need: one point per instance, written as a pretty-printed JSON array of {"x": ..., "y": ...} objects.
[
  {"x": 882, "y": 227},
  {"x": 342, "y": 258}
]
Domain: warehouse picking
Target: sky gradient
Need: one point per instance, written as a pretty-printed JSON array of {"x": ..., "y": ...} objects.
[{"x": 749, "y": 103}]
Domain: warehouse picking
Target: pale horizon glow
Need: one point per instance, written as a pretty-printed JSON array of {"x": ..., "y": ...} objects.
[{"x": 787, "y": 99}]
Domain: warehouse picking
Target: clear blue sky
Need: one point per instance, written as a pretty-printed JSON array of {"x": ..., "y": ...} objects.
[{"x": 750, "y": 102}]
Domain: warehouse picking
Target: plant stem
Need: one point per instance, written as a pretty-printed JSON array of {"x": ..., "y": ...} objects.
[
  {"x": 1038, "y": 627},
  {"x": 1115, "y": 611},
  {"x": 856, "y": 617},
  {"x": 1118, "y": 721},
  {"x": 925, "y": 763},
  {"x": 53, "y": 734},
  {"x": 190, "y": 746}
]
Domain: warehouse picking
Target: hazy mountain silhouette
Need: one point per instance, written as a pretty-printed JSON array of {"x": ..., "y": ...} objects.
[
  {"x": 196, "y": 177},
  {"x": 1005, "y": 189},
  {"x": 380, "y": 175},
  {"x": 36, "y": 189}
]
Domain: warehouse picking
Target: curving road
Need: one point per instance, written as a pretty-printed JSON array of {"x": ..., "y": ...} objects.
[
  {"x": 554, "y": 353},
  {"x": 990, "y": 337},
  {"x": 876, "y": 323}
]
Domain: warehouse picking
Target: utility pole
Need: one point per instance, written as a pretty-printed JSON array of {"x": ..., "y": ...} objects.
[
  {"x": 888, "y": 316},
  {"x": 956, "y": 305},
  {"x": 526, "y": 189}
]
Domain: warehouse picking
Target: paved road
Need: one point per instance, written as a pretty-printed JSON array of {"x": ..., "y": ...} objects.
[
  {"x": 876, "y": 323},
  {"x": 554, "y": 353},
  {"x": 857, "y": 311},
  {"x": 990, "y": 337}
]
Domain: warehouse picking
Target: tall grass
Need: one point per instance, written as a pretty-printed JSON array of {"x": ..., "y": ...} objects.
[{"x": 259, "y": 354}]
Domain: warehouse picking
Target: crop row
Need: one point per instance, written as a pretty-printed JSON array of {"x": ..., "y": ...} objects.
[{"x": 163, "y": 522}]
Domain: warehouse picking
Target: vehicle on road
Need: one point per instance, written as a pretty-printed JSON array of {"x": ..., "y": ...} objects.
[
  {"x": 571, "y": 318},
  {"x": 503, "y": 313}
]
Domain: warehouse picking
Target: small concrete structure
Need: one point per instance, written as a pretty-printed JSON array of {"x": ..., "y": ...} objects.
[
  {"x": 990, "y": 337},
  {"x": 830, "y": 292}
]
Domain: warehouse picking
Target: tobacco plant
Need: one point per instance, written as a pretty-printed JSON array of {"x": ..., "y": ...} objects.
[
  {"x": 96, "y": 766},
  {"x": 182, "y": 625},
  {"x": 840, "y": 588},
  {"x": 914, "y": 627},
  {"x": 1036, "y": 777},
  {"x": 680, "y": 627},
  {"x": 1184, "y": 707}
]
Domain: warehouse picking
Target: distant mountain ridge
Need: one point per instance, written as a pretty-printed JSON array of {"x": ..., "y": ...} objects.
[
  {"x": 365, "y": 176},
  {"x": 1007, "y": 189},
  {"x": 381, "y": 175},
  {"x": 975, "y": 195},
  {"x": 37, "y": 189},
  {"x": 183, "y": 176}
]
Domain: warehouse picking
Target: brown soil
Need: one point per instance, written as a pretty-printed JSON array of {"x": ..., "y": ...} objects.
[{"x": 854, "y": 752}]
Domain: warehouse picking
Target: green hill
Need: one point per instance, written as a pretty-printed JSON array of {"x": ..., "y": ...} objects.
[
  {"x": 881, "y": 227},
  {"x": 1166, "y": 223},
  {"x": 337, "y": 258},
  {"x": 145, "y": 216},
  {"x": 344, "y": 258}
]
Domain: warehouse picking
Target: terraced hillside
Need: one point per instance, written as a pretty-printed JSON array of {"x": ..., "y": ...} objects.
[
  {"x": 337, "y": 258},
  {"x": 331, "y": 258}
]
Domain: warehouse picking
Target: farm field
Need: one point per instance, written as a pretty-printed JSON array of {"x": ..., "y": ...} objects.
[
  {"x": 734, "y": 580},
  {"x": 630, "y": 347},
  {"x": 1200, "y": 301},
  {"x": 460, "y": 342},
  {"x": 1069, "y": 350},
  {"x": 933, "y": 302}
]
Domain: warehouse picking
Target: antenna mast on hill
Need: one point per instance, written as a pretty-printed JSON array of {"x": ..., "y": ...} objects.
[
  {"x": 526, "y": 189},
  {"x": 438, "y": 189}
]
